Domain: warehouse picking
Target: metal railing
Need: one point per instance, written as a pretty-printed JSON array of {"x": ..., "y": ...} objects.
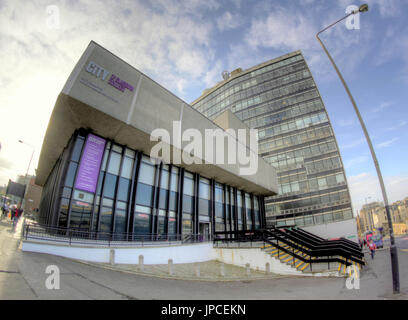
[
  {"x": 305, "y": 246},
  {"x": 34, "y": 231}
]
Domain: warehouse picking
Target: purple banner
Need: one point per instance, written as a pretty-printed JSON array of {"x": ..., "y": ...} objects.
[{"x": 90, "y": 164}]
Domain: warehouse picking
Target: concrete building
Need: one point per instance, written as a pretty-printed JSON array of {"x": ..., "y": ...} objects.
[
  {"x": 280, "y": 98},
  {"x": 98, "y": 176}
]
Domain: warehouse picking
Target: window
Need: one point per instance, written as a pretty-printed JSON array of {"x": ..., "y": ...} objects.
[{"x": 114, "y": 163}]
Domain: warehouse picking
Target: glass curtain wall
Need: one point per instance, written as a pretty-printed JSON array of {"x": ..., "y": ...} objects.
[{"x": 122, "y": 205}]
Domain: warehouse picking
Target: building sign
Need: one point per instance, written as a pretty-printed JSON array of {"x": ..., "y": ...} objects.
[
  {"x": 102, "y": 74},
  {"x": 90, "y": 164}
]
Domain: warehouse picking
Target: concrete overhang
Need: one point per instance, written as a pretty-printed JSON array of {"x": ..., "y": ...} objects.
[{"x": 130, "y": 118}]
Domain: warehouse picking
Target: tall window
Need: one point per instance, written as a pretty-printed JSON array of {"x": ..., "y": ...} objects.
[
  {"x": 144, "y": 197},
  {"x": 257, "y": 213},
  {"x": 69, "y": 181},
  {"x": 188, "y": 202},
  {"x": 122, "y": 198},
  {"x": 204, "y": 198},
  {"x": 81, "y": 209},
  {"x": 239, "y": 210},
  {"x": 248, "y": 211},
  {"x": 109, "y": 189}
]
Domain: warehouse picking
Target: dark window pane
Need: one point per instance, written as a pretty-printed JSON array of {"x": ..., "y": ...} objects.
[
  {"x": 106, "y": 219},
  {"x": 144, "y": 194},
  {"x": 120, "y": 221},
  {"x": 172, "y": 226},
  {"x": 141, "y": 224},
  {"x": 69, "y": 180},
  {"x": 162, "y": 224},
  {"x": 110, "y": 184},
  {"x": 188, "y": 203},
  {"x": 203, "y": 207},
  {"x": 99, "y": 186},
  {"x": 173, "y": 201},
  {"x": 163, "y": 199},
  {"x": 80, "y": 215},
  {"x": 76, "y": 154},
  {"x": 123, "y": 189},
  {"x": 63, "y": 213}
]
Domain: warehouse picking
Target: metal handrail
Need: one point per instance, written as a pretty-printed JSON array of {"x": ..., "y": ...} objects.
[{"x": 78, "y": 236}]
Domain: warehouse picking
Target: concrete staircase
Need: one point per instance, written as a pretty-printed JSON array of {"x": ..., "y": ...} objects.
[{"x": 334, "y": 268}]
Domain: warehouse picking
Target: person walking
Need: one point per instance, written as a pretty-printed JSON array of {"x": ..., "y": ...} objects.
[{"x": 372, "y": 247}]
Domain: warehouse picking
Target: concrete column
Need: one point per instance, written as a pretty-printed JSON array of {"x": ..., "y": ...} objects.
[
  {"x": 112, "y": 257},
  {"x": 222, "y": 270},
  {"x": 267, "y": 268},
  {"x": 141, "y": 259},
  {"x": 171, "y": 267},
  {"x": 248, "y": 269}
]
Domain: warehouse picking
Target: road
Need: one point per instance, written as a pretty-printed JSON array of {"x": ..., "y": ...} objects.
[{"x": 22, "y": 276}]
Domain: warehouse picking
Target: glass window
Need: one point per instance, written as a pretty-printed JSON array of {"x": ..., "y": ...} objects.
[
  {"x": 120, "y": 218},
  {"x": 127, "y": 168},
  {"x": 146, "y": 174},
  {"x": 164, "y": 180},
  {"x": 63, "y": 213},
  {"x": 110, "y": 185},
  {"x": 141, "y": 222},
  {"x": 204, "y": 189},
  {"x": 105, "y": 219},
  {"x": 76, "y": 154},
  {"x": 69, "y": 180},
  {"x": 114, "y": 163},
  {"x": 188, "y": 187},
  {"x": 123, "y": 189}
]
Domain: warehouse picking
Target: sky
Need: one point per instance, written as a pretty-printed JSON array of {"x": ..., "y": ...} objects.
[{"x": 185, "y": 46}]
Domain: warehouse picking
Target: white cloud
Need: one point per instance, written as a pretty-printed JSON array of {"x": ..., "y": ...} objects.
[
  {"x": 383, "y": 106},
  {"x": 354, "y": 161},
  {"x": 387, "y": 143},
  {"x": 229, "y": 21}
]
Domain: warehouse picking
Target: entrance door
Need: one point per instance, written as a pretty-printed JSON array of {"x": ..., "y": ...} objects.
[{"x": 204, "y": 231}]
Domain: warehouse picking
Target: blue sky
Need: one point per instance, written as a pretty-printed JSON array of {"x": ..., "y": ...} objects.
[{"x": 185, "y": 45}]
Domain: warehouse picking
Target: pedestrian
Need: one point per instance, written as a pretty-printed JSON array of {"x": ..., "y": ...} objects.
[{"x": 372, "y": 247}]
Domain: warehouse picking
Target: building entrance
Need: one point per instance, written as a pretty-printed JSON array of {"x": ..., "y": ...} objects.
[{"x": 204, "y": 231}]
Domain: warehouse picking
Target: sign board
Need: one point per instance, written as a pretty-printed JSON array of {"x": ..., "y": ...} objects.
[{"x": 90, "y": 164}]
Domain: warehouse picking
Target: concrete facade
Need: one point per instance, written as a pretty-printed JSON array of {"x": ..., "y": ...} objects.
[{"x": 130, "y": 117}]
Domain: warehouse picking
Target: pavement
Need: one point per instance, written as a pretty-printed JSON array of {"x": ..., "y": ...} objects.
[{"x": 23, "y": 276}]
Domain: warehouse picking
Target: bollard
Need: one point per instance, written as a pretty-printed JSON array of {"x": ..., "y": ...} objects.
[
  {"x": 197, "y": 269},
  {"x": 222, "y": 270},
  {"x": 141, "y": 266},
  {"x": 112, "y": 257},
  {"x": 248, "y": 270},
  {"x": 171, "y": 267},
  {"x": 267, "y": 268}
]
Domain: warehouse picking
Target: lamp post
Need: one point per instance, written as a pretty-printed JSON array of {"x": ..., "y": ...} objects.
[
  {"x": 29, "y": 164},
  {"x": 393, "y": 249}
]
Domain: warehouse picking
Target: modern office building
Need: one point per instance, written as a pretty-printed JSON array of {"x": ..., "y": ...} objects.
[
  {"x": 280, "y": 99},
  {"x": 97, "y": 173}
]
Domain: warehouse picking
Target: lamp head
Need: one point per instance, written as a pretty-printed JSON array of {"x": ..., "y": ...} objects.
[{"x": 363, "y": 8}]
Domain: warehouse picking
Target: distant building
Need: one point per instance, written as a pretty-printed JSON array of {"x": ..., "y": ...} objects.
[
  {"x": 373, "y": 216},
  {"x": 32, "y": 196}
]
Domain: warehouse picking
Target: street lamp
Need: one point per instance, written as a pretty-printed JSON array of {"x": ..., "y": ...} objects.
[
  {"x": 29, "y": 164},
  {"x": 393, "y": 249}
]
